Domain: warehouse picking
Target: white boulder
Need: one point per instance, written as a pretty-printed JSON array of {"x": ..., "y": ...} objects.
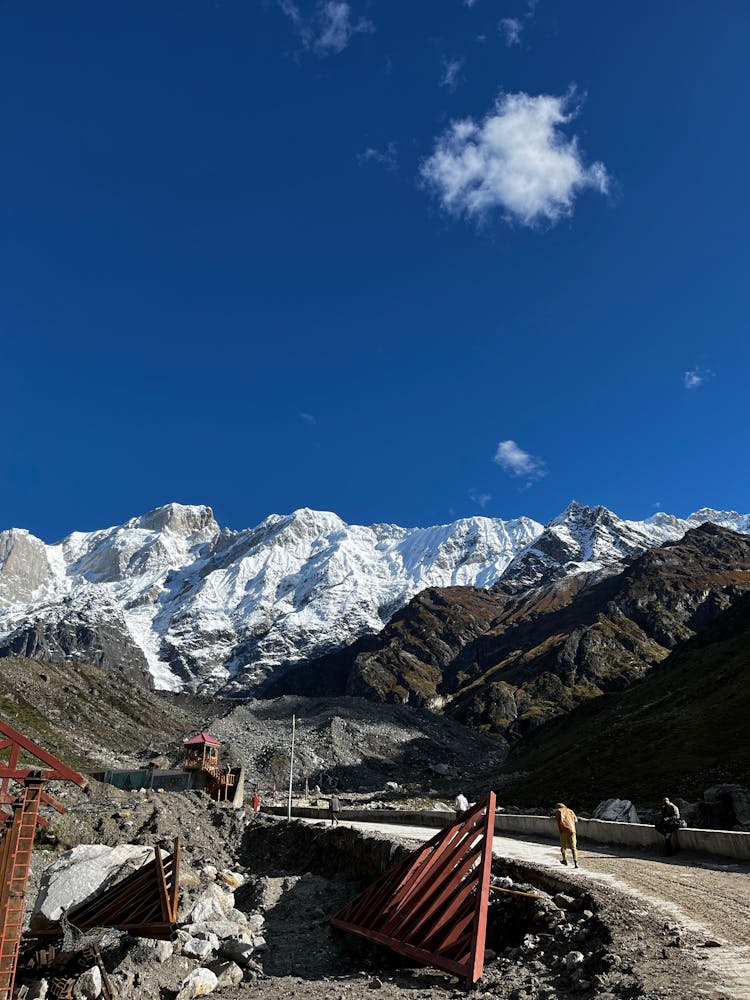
[
  {"x": 79, "y": 873},
  {"x": 199, "y": 983},
  {"x": 199, "y": 948},
  {"x": 214, "y": 903}
]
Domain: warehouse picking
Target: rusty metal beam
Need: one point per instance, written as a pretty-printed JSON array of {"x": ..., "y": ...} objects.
[
  {"x": 17, "y": 741},
  {"x": 432, "y": 906},
  {"x": 143, "y": 903}
]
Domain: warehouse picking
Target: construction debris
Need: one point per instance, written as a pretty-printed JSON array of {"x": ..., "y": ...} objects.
[
  {"x": 144, "y": 904},
  {"x": 432, "y": 907}
]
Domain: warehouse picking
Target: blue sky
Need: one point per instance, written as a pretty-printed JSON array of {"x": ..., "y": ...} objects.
[{"x": 407, "y": 261}]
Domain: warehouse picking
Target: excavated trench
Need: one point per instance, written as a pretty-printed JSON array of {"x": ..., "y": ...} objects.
[{"x": 552, "y": 945}]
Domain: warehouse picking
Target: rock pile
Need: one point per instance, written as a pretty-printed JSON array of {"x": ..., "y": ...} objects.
[
  {"x": 543, "y": 947},
  {"x": 217, "y": 945}
]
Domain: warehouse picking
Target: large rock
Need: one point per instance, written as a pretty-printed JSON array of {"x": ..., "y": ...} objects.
[
  {"x": 617, "y": 811},
  {"x": 227, "y": 973},
  {"x": 734, "y": 798},
  {"x": 89, "y": 985},
  {"x": 237, "y": 950},
  {"x": 213, "y": 905},
  {"x": 79, "y": 873},
  {"x": 200, "y": 948},
  {"x": 199, "y": 983}
]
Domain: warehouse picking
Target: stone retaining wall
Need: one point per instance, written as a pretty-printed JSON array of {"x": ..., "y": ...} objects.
[{"x": 723, "y": 843}]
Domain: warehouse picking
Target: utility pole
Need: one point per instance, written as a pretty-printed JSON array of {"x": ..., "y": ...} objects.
[{"x": 291, "y": 771}]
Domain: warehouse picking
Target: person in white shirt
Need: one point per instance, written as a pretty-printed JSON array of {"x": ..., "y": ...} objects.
[{"x": 461, "y": 804}]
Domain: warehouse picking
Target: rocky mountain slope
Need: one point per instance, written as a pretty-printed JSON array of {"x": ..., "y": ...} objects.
[
  {"x": 95, "y": 719},
  {"x": 679, "y": 731},
  {"x": 173, "y": 599},
  {"x": 505, "y": 662}
]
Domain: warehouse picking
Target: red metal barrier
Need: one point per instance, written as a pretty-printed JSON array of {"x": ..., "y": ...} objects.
[
  {"x": 432, "y": 906},
  {"x": 17, "y": 830}
]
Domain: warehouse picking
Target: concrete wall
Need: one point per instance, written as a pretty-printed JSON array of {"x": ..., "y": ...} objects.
[
  {"x": 724, "y": 843},
  {"x": 170, "y": 781}
]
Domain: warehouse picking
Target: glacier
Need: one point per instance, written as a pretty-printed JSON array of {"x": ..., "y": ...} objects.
[{"x": 187, "y": 605}]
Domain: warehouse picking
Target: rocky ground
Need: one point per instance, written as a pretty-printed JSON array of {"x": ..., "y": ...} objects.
[
  {"x": 94, "y": 719},
  {"x": 257, "y": 894}
]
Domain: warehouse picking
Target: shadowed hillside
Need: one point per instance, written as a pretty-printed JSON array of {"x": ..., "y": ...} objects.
[
  {"x": 505, "y": 663},
  {"x": 680, "y": 730}
]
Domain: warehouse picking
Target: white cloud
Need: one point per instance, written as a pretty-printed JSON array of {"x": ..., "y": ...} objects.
[
  {"x": 696, "y": 377},
  {"x": 482, "y": 499},
  {"x": 451, "y": 69},
  {"x": 308, "y": 418},
  {"x": 519, "y": 463},
  {"x": 387, "y": 157},
  {"x": 511, "y": 27},
  {"x": 469, "y": 3},
  {"x": 517, "y": 161},
  {"x": 331, "y": 28}
]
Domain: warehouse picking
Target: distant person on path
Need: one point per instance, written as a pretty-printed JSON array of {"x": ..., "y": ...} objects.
[
  {"x": 461, "y": 804},
  {"x": 256, "y": 802},
  {"x": 566, "y": 824},
  {"x": 669, "y": 823},
  {"x": 334, "y": 808}
]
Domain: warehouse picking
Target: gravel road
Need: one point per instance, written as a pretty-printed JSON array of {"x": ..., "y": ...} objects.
[{"x": 708, "y": 897}]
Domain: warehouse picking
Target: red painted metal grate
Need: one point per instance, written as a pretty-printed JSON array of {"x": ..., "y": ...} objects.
[{"x": 432, "y": 906}]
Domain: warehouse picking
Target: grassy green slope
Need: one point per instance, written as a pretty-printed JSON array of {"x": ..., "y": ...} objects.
[
  {"x": 92, "y": 718},
  {"x": 683, "y": 728}
]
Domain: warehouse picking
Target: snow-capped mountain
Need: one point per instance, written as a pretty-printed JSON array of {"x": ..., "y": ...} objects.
[
  {"x": 172, "y": 596},
  {"x": 197, "y": 606},
  {"x": 585, "y": 539}
]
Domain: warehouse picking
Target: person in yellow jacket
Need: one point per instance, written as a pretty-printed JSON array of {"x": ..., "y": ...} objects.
[{"x": 566, "y": 824}]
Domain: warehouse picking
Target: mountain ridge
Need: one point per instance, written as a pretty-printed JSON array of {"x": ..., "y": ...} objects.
[{"x": 175, "y": 599}]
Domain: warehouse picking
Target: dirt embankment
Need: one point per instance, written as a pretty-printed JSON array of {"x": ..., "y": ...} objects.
[{"x": 580, "y": 940}]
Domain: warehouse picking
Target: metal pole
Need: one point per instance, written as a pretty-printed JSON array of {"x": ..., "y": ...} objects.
[{"x": 291, "y": 771}]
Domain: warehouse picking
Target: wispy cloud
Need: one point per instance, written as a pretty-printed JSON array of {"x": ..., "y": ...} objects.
[
  {"x": 511, "y": 28},
  {"x": 481, "y": 499},
  {"x": 387, "y": 157},
  {"x": 329, "y": 30},
  {"x": 469, "y": 3},
  {"x": 696, "y": 377},
  {"x": 516, "y": 161},
  {"x": 308, "y": 419},
  {"x": 451, "y": 69},
  {"x": 519, "y": 463}
]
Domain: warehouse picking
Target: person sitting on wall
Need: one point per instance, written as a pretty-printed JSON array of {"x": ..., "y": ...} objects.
[
  {"x": 461, "y": 804},
  {"x": 669, "y": 823}
]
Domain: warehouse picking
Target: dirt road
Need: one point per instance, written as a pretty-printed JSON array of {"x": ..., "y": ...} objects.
[{"x": 709, "y": 898}]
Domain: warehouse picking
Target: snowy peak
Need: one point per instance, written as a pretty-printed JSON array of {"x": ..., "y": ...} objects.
[
  {"x": 197, "y": 523},
  {"x": 205, "y": 608}
]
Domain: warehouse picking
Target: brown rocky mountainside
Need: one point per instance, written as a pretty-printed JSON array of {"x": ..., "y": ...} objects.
[
  {"x": 679, "y": 731},
  {"x": 506, "y": 662}
]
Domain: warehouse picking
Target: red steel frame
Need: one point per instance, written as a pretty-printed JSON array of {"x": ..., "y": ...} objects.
[
  {"x": 432, "y": 906},
  {"x": 17, "y": 829}
]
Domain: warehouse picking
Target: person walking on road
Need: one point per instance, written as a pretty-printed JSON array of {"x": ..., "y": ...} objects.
[
  {"x": 334, "y": 808},
  {"x": 566, "y": 824},
  {"x": 256, "y": 801},
  {"x": 461, "y": 804}
]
